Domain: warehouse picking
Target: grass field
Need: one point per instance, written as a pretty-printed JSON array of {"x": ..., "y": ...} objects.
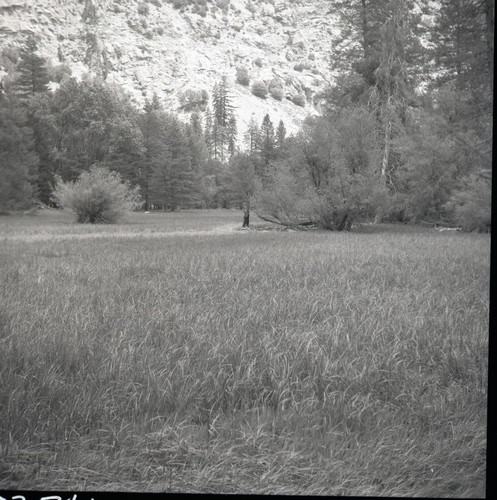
[{"x": 176, "y": 353}]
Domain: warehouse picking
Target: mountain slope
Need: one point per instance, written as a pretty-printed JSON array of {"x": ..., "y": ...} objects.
[{"x": 154, "y": 47}]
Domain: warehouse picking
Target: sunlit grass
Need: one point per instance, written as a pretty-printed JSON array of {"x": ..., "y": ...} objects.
[
  {"x": 62, "y": 222},
  {"x": 249, "y": 362}
]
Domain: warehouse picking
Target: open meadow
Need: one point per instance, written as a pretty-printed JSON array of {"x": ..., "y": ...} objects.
[{"x": 175, "y": 352}]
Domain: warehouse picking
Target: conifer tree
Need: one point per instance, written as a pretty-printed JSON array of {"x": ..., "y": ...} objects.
[
  {"x": 31, "y": 82},
  {"x": 219, "y": 120},
  {"x": 209, "y": 142},
  {"x": 17, "y": 157},
  {"x": 391, "y": 82},
  {"x": 173, "y": 183},
  {"x": 96, "y": 56},
  {"x": 251, "y": 136},
  {"x": 196, "y": 124},
  {"x": 222, "y": 102},
  {"x": 464, "y": 39},
  {"x": 231, "y": 135},
  {"x": 223, "y": 111},
  {"x": 217, "y": 138},
  {"x": 88, "y": 122},
  {"x": 44, "y": 179},
  {"x": 198, "y": 149},
  {"x": 267, "y": 141},
  {"x": 155, "y": 148},
  {"x": 159, "y": 193},
  {"x": 464, "y": 52},
  {"x": 280, "y": 136},
  {"x": 154, "y": 104},
  {"x": 32, "y": 72}
]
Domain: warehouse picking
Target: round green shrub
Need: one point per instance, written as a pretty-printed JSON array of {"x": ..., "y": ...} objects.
[
  {"x": 259, "y": 89},
  {"x": 242, "y": 75},
  {"x": 98, "y": 196},
  {"x": 276, "y": 92},
  {"x": 299, "y": 100},
  {"x": 300, "y": 66},
  {"x": 143, "y": 9}
]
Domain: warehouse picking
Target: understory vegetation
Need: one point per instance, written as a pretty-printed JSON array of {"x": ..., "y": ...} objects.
[{"x": 244, "y": 361}]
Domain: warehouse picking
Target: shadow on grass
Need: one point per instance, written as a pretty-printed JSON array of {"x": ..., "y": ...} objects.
[
  {"x": 390, "y": 228},
  {"x": 364, "y": 227}
]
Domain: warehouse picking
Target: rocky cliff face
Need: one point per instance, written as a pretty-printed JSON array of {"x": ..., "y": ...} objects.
[{"x": 154, "y": 46}]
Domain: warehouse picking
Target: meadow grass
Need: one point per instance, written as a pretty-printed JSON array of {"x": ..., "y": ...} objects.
[
  {"x": 53, "y": 224},
  {"x": 242, "y": 361}
]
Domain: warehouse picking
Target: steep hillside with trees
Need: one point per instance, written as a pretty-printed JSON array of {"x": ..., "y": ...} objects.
[{"x": 180, "y": 49}]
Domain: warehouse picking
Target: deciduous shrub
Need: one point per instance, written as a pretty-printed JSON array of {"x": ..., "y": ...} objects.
[
  {"x": 276, "y": 89},
  {"x": 59, "y": 72},
  {"x": 178, "y": 4},
  {"x": 143, "y": 9},
  {"x": 9, "y": 56},
  {"x": 276, "y": 92},
  {"x": 471, "y": 206},
  {"x": 258, "y": 62},
  {"x": 300, "y": 66},
  {"x": 224, "y": 5},
  {"x": 98, "y": 196},
  {"x": 299, "y": 100},
  {"x": 242, "y": 75},
  {"x": 194, "y": 100},
  {"x": 259, "y": 89}
]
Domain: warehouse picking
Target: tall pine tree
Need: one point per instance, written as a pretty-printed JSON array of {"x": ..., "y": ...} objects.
[
  {"x": 17, "y": 157},
  {"x": 231, "y": 135},
  {"x": 266, "y": 147},
  {"x": 223, "y": 130},
  {"x": 155, "y": 148},
  {"x": 32, "y": 75},
  {"x": 30, "y": 83},
  {"x": 280, "y": 136},
  {"x": 251, "y": 136}
]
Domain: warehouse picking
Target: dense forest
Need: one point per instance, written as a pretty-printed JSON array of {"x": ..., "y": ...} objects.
[{"x": 406, "y": 134}]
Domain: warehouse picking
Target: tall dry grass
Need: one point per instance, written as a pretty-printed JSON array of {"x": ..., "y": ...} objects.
[{"x": 250, "y": 362}]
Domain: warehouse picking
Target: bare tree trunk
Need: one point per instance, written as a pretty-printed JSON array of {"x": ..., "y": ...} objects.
[
  {"x": 386, "y": 153},
  {"x": 246, "y": 213},
  {"x": 384, "y": 167},
  {"x": 344, "y": 224}
]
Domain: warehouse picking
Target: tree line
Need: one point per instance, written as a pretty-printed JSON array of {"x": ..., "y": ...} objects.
[{"x": 406, "y": 132}]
